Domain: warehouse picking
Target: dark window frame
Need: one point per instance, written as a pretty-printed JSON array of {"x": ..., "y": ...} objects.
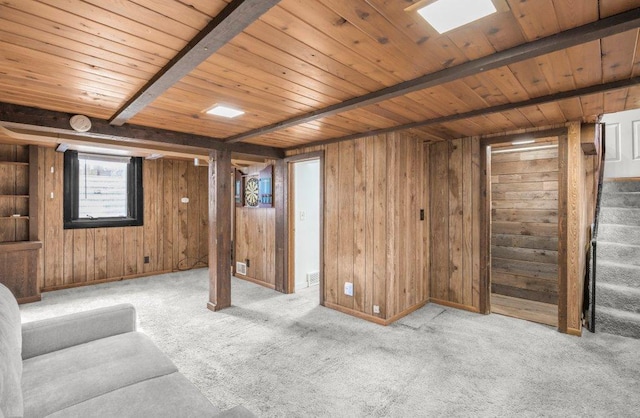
[{"x": 135, "y": 208}]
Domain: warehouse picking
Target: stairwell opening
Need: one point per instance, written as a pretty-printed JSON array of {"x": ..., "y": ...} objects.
[{"x": 617, "y": 304}]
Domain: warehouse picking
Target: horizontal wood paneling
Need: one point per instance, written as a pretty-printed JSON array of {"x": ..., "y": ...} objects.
[
  {"x": 373, "y": 235},
  {"x": 174, "y": 235},
  {"x": 524, "y": 261}
]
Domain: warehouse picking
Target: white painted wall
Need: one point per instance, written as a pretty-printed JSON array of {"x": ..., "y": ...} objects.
[
  {"x": 307, "y": 220},
  {"x": 622, "y": 136}
]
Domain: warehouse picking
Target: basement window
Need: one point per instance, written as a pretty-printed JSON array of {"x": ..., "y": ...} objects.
[{"x": 102, "y": 190}]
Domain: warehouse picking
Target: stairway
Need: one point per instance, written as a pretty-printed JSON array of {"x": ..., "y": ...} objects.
[{"x": 618, "y": 260}]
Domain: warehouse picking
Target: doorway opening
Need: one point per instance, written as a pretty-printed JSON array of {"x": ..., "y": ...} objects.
[
  {"x": 305, "y": 225},
  {"x": 523, "y": 178}
]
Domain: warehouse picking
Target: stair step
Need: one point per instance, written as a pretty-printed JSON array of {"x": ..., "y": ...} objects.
[
  {"x": 620, "y": 297},
  {"x": 621, "y": 200},
  {"x": 618, "y": 253},
  {"x": 619, "y": 233},
  {"x": 615, "y": 321},
  {"x": 621, "y": 186},
  {"x": 617, "y": 273},
  {"x": 620, "y": 216}
]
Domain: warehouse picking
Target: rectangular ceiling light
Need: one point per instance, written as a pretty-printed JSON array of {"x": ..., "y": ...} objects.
[
  {"x": 224, "y": 111},
  {"x": 445, "y": 15}
]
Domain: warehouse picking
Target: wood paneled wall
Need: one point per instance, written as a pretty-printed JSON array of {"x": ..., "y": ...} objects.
[
  {"x": 174, "y": 235},
  {"x": 374, "y": 189},
  {"x": 455, "y": 223},
  {"x": 581, "y": 174},
  {"x": 255, "y": 241},
  {"x": 524, "y": 233}
]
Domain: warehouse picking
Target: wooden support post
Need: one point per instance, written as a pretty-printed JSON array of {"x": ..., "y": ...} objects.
[
  {"x": 280, "y": 198},
  {"x": 219, "y": 230}
]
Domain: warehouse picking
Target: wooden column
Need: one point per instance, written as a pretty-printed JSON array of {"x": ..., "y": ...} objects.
[
  {"x": 280, "y": 204},
  {"x": 219, "y": 230},
  {"x": 563, "y": 233}
]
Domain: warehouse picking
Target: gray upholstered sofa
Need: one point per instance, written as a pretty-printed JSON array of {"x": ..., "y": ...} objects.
[{"x": 87, "y": 364}]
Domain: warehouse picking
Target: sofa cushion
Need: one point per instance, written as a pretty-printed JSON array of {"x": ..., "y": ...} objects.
[
  {"x": 166, "y": 396},
  {"x": 10, "y": 355},
  {"x": 58, "y": 380}
]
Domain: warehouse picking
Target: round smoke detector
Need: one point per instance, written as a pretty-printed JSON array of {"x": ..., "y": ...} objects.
[{"x": 80, "y": 123}]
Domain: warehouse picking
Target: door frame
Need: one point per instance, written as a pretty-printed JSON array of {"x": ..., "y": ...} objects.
[
  {"x": 289, "y": 190},
  {"x": 485, "y": 216}
]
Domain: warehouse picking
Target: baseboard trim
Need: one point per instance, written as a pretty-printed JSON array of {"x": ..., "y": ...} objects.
[
  {"x": 574, "y": 331},
  {"x": 357, "y": 314},
  {"x": 101, "y": 281},
  {"x": 255, "y": 281},
  {"x": 29, "y": 299},
  {"x": 375, "y": 319},
  {"x": 455, "y": 305}
]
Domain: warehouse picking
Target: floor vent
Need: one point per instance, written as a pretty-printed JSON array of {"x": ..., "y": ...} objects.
[
  {"x": 313, "y": 278},
  {"x": 241, "y": 268}
]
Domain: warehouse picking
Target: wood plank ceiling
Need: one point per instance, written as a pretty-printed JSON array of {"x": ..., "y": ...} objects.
[{"x": 301, "y": 56}]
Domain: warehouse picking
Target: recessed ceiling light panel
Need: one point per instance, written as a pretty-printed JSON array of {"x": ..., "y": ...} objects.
[
  {"x": 224, "y": 111},
  {"x": 445, "y": 15}
]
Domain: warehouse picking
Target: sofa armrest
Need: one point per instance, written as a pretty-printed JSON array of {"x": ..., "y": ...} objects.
[{"x": 49, "y": 335}]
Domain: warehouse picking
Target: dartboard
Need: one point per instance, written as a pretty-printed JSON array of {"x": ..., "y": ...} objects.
[{"x": 251, "y": 192}]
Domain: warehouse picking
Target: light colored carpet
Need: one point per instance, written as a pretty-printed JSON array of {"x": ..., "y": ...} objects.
[{"x": 285, "y": 356}]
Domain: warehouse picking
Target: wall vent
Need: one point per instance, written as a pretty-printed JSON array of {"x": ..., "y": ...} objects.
[
  {"x": 241, "y": 268},
  {"x": 313, "y": 278}
]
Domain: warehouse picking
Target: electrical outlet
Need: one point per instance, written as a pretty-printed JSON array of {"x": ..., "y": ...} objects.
[
  {"x": 247, "y": 262},
  {"x": 348, "y": 289},
  {"x": 303, "y": 215},
  {"x": 376, "y": 309},
  {"x": 146, "y": 259}
]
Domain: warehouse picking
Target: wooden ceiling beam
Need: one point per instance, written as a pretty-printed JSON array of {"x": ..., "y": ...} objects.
[
  {"x": 566, "y": 39},
  {"x": 234, "y": 19},
  {"x": 58, "y": 122},
  {"x": 585, "y": 91}
]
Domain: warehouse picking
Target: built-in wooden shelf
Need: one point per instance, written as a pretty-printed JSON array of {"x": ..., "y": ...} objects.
[{"x": 19, "y": 244}]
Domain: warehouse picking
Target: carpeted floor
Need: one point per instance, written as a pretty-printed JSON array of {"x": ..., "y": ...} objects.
[{"x": 285, "y": 356}]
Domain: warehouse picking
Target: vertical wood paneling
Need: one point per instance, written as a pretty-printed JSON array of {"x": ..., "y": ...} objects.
[
  {"x": 369, "y": 226},
  {"x": 467, "y": 219},
  {"x": 455, "y": 221},
  {"x": 115, "y": 252},
  {"x": 359, "y": 236},
  {"x": 374, "y": 190},
  {"x": 425, "y": 260},
  {"x": 439, "y": 199},
  {"x": 53, "y": 238},
  {"x": 183, "y": 230},
  {"x": 79, "y": 255},
  {"x": 380, "y": 220},
  {"x": 391, "y": 237},
  {"x": 83, "y": 256},
  {"x": 345, "y": 213},
  {"x": 255, "y": 241},
  {"x": 100, "y": 253},
  {"x": 476, "y": 216},
  {"x": 454, "y": 178},
  {"x": 332, "y": 223},
  {"x": 168, "y": 218}
]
